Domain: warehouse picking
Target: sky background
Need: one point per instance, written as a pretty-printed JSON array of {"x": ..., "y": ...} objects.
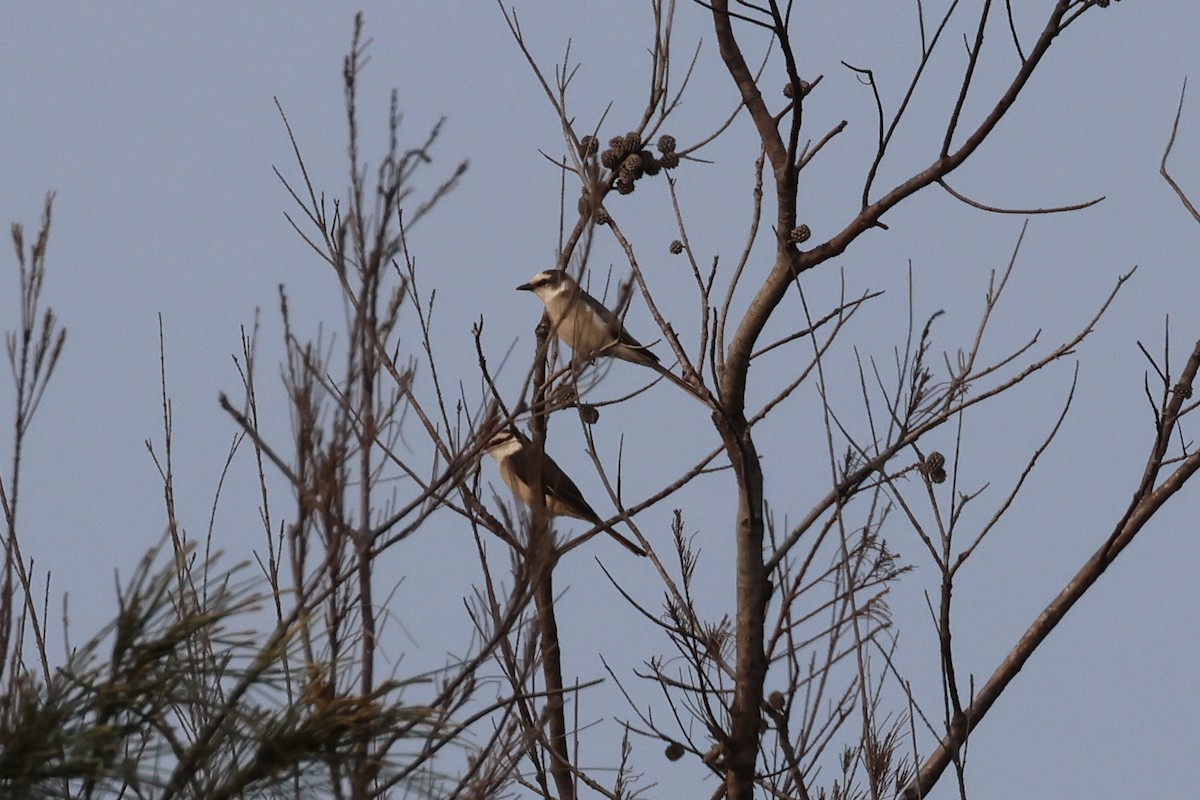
[{"x": 157, "y": 128}]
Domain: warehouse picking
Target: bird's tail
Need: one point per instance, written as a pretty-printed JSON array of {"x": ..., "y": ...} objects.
[
  {"x": 699, "y": 394},
  {"x": 627, "y": 543}
]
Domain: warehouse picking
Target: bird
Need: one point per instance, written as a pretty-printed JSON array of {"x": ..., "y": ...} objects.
[
  {"x": 514, "y": 455},
  {"x": 584, "y": 324}
]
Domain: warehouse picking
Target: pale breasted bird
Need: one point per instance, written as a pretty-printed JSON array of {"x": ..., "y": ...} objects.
[
  {"x": 587, "y": 327},
  {"x": 515, "y": 456}
]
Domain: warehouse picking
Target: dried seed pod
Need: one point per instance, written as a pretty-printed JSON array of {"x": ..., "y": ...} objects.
[
  {"x": 790, "y": 91},
  {"x": 669, "y": 160},
  {"x": 676, "y": 247},
  {"x": 666, "y": 143},
  {"x": 650, "y": 164},
  {"x": 588, "y": 146},
  {"x": 631, "y": 168},
  {"x": 618, "y": 145},
  {"x": 800, "y": 233}
]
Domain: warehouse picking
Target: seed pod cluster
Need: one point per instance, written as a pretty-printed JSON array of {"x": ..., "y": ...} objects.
[
  {"x": 934, "y": 467},
  {"x": 632, "y": 160}
]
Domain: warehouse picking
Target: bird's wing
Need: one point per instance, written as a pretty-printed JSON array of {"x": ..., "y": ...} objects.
[
  {"x": 563, "y": 497},
  {"x": 561, "y": 492},
  {"x": 623, "y": 336}
]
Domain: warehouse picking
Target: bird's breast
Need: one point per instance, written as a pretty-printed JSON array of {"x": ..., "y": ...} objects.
[{"x": 584, "y": 330}]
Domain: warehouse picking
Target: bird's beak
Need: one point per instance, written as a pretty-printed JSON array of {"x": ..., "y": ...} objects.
[{"x": 525, "y": 287}]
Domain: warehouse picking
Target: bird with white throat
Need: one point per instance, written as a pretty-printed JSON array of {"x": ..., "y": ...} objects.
[
  {"x": 515, "y": 456},
  {"x": 589, "y": 328}
]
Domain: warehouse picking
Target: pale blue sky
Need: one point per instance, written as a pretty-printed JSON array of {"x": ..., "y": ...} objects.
[{"x": 156, "y": 127}]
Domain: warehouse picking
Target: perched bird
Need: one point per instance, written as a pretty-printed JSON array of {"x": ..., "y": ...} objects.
[
  {"x": 591, "y": 330},
  {"x": 514, "y": 455},
  {"x": 583, "y": 322}
]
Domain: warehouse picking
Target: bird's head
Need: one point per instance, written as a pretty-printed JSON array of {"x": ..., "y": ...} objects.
[
  {"x": 503, "y": 442},
  {"x": 549, "y": 284}
]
